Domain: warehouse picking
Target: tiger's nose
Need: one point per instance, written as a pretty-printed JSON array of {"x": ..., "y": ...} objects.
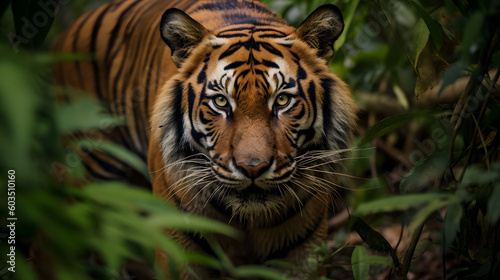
[{"x": 251, "y": 170}]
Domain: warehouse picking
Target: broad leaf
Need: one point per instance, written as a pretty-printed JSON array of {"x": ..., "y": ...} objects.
[
  {"x": 420, "y": 38},
  {"x": 360, "y": 267},
  {"x": 434, "y": 27}
]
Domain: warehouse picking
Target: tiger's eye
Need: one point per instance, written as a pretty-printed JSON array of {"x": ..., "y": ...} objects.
[
  {"x": 282, "y": 100},
  {"x": 221, "y": 101}
]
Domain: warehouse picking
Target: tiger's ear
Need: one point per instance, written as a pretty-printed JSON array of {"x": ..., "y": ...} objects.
[
  {"x": 181, "y": 33},
  {"x": 321, "y": 28}
]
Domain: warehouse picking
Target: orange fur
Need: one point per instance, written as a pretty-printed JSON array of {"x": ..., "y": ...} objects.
[{"x": 199, "y": 91}]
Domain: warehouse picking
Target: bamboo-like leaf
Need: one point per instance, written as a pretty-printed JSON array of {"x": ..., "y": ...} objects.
[
  {"x": 254, "y": 271},
  {"x": 85, "y": 114},
  {"x": 398, "y": 203},
  {"x": 119, "y": 152},
  {"x": 424, "y": 213},
  {"x": 385, "y": 126},
  {"x": 452, "y": 222},
  {"x": 189, "y": 222},
  {"x": 348, "y": 16}
]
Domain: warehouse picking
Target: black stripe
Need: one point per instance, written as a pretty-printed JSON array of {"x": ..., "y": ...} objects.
[
  {"x": 202, "y": 76},
  {"x": 327, "y": 84},
  {"x": 75, "y": 49},
  {"x": 114, "y": 33},
  {"x": 237, "y": 18},
  {"x": 300, "y": 114},
  {"x": 270, "y": 64},
  {"x": 273, "y": 36},
  {"x": 178, "y": 121},
  {"x": 281, "y": 34},
  {"x": 204, "y": 120},
  {"x": 233, "y": 5},
  {"x": 106, "y": 166},
  {"x": 93, "y": 42},
  {"x": 196, "y": 135},
  {"x": 311, "y": 91},
  {"x": 96, "y": 175},
  {"x": 271, "y": 49},
  {"x": 233, "y": 35},
  {"x": 247, "y": 28},
  {"x": 234, "y": 65},
  {"x": 232, "y": 49}
]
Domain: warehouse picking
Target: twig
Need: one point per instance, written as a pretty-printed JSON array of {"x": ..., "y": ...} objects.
[
  {"x": 393, "y": 28},
  {"x": 461, "y": 108},
  {"x": 409, "y": 252},
  {"x": 477, "y": 129}
]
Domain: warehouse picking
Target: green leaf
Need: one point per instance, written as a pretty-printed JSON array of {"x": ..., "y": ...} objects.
[
  {"x": 360, "y": 267},
  {"x": 85, "y": 114},
  {"x": 493, "y": 214},
  {"x": 348, "y": 16},
  {"x": 451, "y": 74},
  {"x": 398, "y": 203},
  {"x": 3, "y": 7},
  {"x": 125, "y": 197},
  {"x": 452, "y": 222},
  {"x": 401, "y": 96},
  {"x": 473, "y": 28},
  {"x": 434, "y": 27},
  {"x": 385, "y": 126},
  {"x": 32, "y": 20},
  {"x": 18, "y": 122},
  {"x": 374, "y": 239},
  {"x": 475, "y": 175},
  {"x": 189, "y": 222},
  {"x": 120, "y": 152},
  {"x": 423, "y": 214},
  {"x": 204, "y": 260},
  {"x": 493, "y": 205},
  {"x": 420, "y": 38},
  {"x": 370, "y": 236},
  {"x": 256, "y": 271},
  {"x": 429, "y": 165}
]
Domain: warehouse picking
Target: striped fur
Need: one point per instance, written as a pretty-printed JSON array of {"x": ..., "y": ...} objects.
[{"x": 235, "y": 111}]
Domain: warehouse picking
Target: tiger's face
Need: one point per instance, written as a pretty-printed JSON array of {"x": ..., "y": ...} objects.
[{"x": 252, "y": 108}]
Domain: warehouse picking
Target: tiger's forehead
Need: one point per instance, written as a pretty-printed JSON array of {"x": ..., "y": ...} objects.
[{"x": 255, "y": 64}]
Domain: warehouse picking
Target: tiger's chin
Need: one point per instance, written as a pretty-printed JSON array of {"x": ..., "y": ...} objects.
[{"x": 253, "y": 204}]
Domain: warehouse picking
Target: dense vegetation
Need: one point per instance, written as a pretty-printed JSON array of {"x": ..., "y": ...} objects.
[{"x": 424, "y": 177}]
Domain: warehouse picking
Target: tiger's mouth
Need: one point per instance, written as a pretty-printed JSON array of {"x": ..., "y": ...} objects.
[{"x": 254, "y": 193}]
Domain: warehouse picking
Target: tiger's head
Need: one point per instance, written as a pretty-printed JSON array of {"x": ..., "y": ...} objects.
[{"x": 254, "y": 122}]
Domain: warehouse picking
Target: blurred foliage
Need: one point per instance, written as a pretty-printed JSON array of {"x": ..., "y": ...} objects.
[{"x": 425, "y": 74}]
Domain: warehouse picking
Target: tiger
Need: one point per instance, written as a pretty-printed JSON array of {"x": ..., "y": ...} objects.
[{"x": 235, "y": 112}]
